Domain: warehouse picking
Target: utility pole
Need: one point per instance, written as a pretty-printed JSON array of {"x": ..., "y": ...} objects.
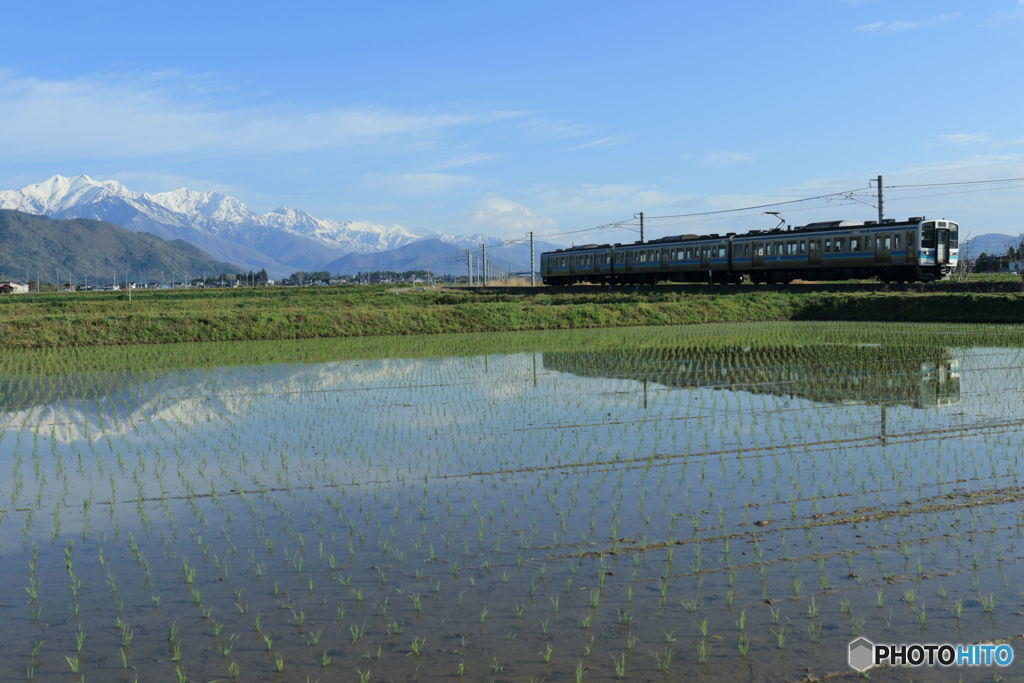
[
  {"x": 880, "y": 213},
  {"x": 469, "y": 265},
  {"x": 533, "y": 270},
  {"x": 641, "y": 215},
  {"x": 483, "y": 264}
]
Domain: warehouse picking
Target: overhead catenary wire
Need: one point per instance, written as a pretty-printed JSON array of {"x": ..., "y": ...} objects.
[
  {"x": 759, "y": 206},
  {"x": 851, "y": 195},
  {"x": 958, "y": 182}
]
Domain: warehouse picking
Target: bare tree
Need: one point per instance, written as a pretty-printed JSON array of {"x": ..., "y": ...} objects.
[{"x": 965, "y": 262}]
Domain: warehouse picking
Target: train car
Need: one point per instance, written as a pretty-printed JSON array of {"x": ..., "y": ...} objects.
[
  {"x": 587, "y": 263},
  {"x": 914, "y": 250},
  {"x": 684, "y": 258}
]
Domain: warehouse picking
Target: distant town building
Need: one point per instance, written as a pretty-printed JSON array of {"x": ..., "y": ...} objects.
[{"x": 13, "y": 288}]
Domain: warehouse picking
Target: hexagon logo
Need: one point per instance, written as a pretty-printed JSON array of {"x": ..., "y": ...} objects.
[{"x": 862, "y": 654}]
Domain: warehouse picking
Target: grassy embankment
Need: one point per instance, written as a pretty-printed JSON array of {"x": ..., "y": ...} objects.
[{"x": 58, "y": 320}]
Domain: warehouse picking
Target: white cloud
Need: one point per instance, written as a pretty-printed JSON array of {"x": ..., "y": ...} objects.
[
  {"x": 993, "y": 166},
  {"x": 901, "y": 25},
  {"x": 469, "y": 160},
  {"x": 964, "y": 138},
  {"x": 498, "y": 214},
  {"x": 603, "y": 203},
  {"x": 137, "y": 116},
  {"x": 548, "y": 128},
  {"x": 608, "y": 141},
  {"x": 728, "y": 158},
  {"x": 416, "y": 184}
]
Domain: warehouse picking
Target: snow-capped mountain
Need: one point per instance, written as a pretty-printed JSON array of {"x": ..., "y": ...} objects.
[{"x": 282, "y": 241}]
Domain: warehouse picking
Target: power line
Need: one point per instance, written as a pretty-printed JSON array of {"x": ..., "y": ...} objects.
[
  {"x": 847, "y": 195},
  {"x": 759, "y": 206},
  {"x": 607, "y": 226},
  {"x": 961, "y": 182},
  {"x": 947, "y": 194}
]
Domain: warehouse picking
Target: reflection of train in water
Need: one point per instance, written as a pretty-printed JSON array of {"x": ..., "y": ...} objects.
[
  {"x": 827, "y": 373},
  {"x": 912, "y": 250}
]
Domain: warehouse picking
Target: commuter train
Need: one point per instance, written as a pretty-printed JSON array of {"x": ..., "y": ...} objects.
[{"x": 914, "y": 250}]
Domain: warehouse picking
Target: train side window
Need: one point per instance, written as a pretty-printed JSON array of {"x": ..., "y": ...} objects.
[
  {"x": 828, "y": 245},
  {"x": 887, "y": 243},
  {"x": 721, "y": 252},
  {"x": 854, "y": 244},
  {"x": 839, "y": 244},
  {"x": 896, "y": 242},
  {"x": 867, "y": 244},
  {"x": 812, "y": 245},
  {"x": 803, "y": 247}
]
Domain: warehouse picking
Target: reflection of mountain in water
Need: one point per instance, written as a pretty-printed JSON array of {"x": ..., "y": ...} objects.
[
  {"x": 90, "y": 405},
  {"x": 828, "y": 373}
]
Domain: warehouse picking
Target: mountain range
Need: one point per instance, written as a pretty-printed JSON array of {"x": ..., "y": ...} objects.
[
  {"x": 282, "y": 241},
  {"x": 81, "y": 250}
]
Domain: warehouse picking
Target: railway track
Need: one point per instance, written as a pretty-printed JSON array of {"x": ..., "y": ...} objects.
[{"x": 804, "y": 287}]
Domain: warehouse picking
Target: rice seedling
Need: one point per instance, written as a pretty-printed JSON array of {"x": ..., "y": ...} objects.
[{"x": 344, "y": 489}]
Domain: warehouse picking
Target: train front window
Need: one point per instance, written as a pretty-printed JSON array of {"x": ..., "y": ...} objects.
[
  {"x": 954, "y": 235},
  {"x": 928, "y": 235}
]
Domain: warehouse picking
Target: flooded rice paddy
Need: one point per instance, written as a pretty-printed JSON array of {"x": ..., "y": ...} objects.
[{"x": 733, "y": 502}]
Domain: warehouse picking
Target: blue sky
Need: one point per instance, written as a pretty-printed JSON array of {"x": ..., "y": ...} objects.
[{"x": 502, "y": 117}]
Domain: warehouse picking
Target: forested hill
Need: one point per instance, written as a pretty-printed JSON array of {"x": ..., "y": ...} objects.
[{"x": 78, "y": 249}]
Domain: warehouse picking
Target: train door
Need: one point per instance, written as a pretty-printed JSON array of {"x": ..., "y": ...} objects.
[
  {"x": 704, "y": 256},
  {"x": 814, "y": 251},
  {"x": 941, "y": 244},
  {"x": 757, "y": 254},
  {"x": 899, "y": 251},
  {"x": 911, "y": 247},
  {"x": 883, "y": 243}
]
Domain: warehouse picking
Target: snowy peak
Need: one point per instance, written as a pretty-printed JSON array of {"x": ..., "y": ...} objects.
[
  {"x": 60, "y": 193},
  {"x": 211, "y": 206}
]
